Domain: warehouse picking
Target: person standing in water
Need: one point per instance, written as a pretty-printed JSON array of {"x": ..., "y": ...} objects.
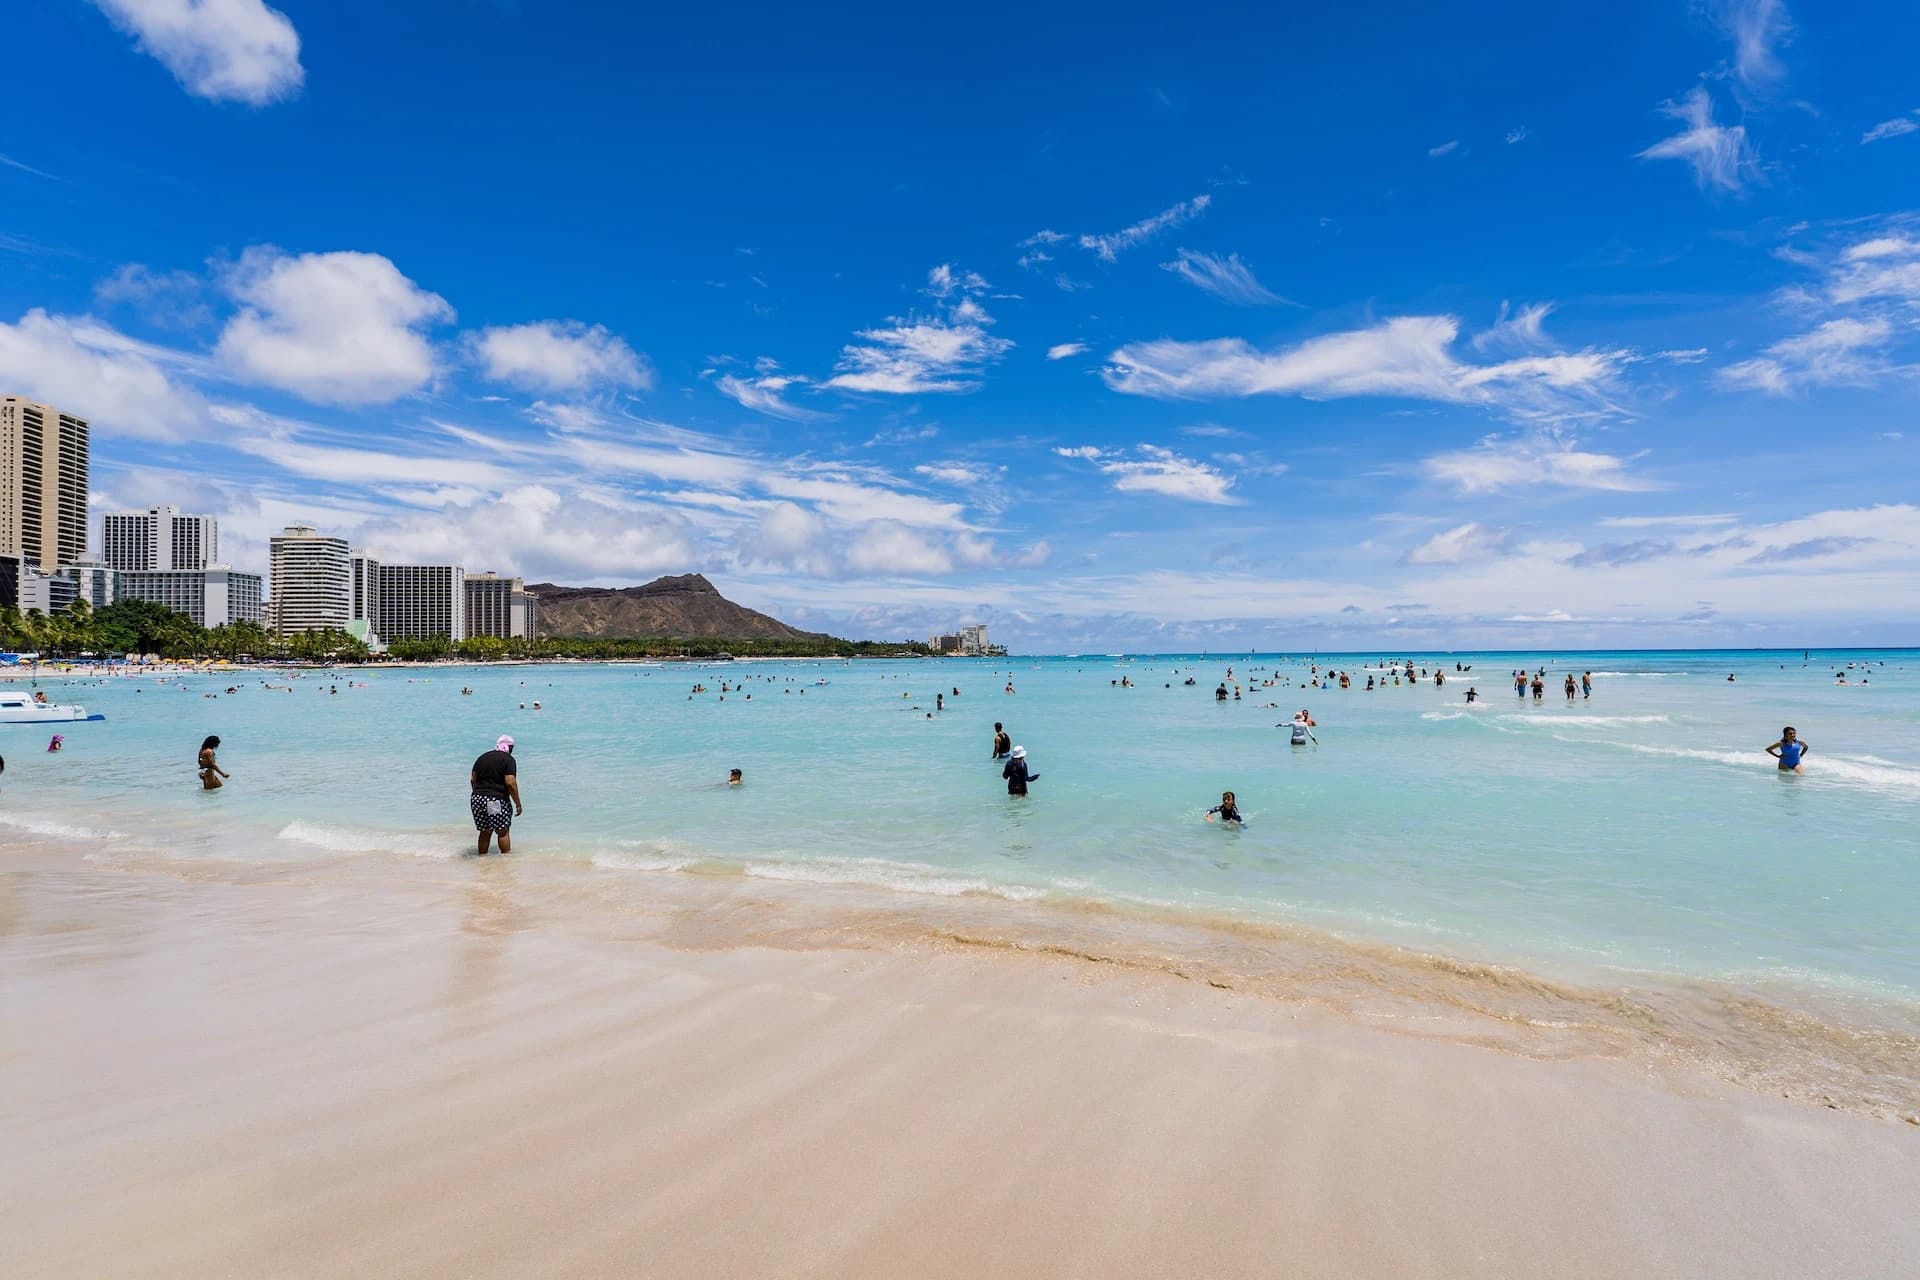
[
  {"x": 1016, "y": 773},
  {"x": 210, "y": 772},
  {"x": 1002, "y": 744},
  {"x": 1568, "y": 685},
  {"x": 1788, "y": 751},
  {"x": 495, "y": 801}
]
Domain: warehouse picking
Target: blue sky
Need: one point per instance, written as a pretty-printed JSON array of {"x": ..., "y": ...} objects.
[{"x": 1108, "y": 327}]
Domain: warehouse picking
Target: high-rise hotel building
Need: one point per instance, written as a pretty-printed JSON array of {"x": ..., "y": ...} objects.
[
  {"x": 312, "y": 580},
  {"x": 421, "y": 602},
  {"x": 158, "y": 539},
  {"x": 43, "y": 483},
  {"x": 501, "y": 607}
]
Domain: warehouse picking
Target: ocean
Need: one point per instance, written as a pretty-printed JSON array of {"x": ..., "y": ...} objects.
[{"x": 1637, "y": 841}]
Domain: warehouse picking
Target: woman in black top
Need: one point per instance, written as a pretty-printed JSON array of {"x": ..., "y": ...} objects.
[{"x": 1016, "y": 773}]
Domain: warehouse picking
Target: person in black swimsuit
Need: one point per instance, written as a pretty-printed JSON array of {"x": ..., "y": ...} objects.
[{"x": 1228, "y": 810}]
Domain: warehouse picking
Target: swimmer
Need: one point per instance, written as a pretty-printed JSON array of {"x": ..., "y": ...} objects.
[
  {"x": 1228, "y": 810},
  {"x": 1473, "y": 695},
  {"x": 1002, "y": 744},
  {"x": 733, "y": 778},
  {"x": 1788, "y": 751},
  {"x": 59, "y": 743},
  {"x": 210, "y": 772}
]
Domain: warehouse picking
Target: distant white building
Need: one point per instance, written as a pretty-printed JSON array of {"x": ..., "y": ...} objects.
[
  {"x": 97, "y": 583},
  {"x": 312, "y": 588},
  {"x": 158, "y": 538},
  {"x": 973, "y": 641},
  {"x": 212, "y": 597}
]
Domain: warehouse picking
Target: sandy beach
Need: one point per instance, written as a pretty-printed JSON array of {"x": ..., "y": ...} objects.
[{"x": 495, "y": 1069}]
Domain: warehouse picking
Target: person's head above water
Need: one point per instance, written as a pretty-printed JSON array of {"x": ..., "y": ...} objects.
[
  {"x": 1226, "y": 800},
  {"x": 1019, "y": 753},
  {"x": 733, "y": 777},
  {"x": 504, "y": 743},
  {"x": 212, "y": 741},
  {"x": 1787, "y": 732}
]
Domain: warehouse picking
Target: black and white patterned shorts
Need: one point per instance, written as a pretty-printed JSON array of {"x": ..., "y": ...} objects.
[{"x": 491, "y": 813}]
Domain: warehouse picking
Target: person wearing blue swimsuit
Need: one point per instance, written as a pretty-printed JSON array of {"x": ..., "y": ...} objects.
[{"x": 1788, "y": 751}]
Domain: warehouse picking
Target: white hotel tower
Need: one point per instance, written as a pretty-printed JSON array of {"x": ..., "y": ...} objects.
[
  {"x": 312, "y": 588},
  {"x": 159, "y": 539}
]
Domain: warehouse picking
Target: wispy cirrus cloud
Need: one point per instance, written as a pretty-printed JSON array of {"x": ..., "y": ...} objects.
[
  {"x": 1759, "y": 28},
  {"x": 225, "y": 50},
  {"x": 1462, "y": 544},
  {"x": 1719, "y": 155},
  {"x": 1839, "y": 352},
  {"x": 1446, "y": 148},
  {"x": 1894, "y": 128},
  {"x": 1227, "y": 279},
  {"x": 1152, "y": 469},
  {"x": 914, "y": 355},
  {"x": 1109, "y": 247},
  {"x": 763, "y": 392},
  {"x": 1540, "y": 459},
  {"x": 1063, "y": 350},
  {"x": 1409, "y": 357}
]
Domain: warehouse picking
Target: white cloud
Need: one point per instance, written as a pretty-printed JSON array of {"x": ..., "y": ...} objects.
[
  {"x": 1885, "y": 267},
  {"x": 1844, "y": 351},
  {"x": 169, "y": 299},
  {"x": 1408, "y": 356},
  {"x": 1460, "y": 545},
  {"x": 1109, "y": 247},
  {"x": 1157, "y": 470},
  {"x": 762, "y": 392},
  {"x": 1519, "y": 133},
  {"x": 1655, "y": 522},
  {"x": 1061, "y": 350},
  {"x": 1893, "y": 128},
  {"x": 1719, "y": 154},
  {"x": 335, "y": 328},
  {"x": 915, "y": 354},
  {"x": 558, "y": 356},
  {"x": 78, "y": 365},
  {"x": 963, "y": 474},
  {"x": 1540, "y": 459},
  {"x": 225, "y": 50},
  {"x": 1759, "y": 28},
  {"x": 1516, "y": 328},
  {"x": 1444, "y": 149},
  {"x": 1226, "y": 278},
  {"x": 1690, "y": 355},
  {"x": 544, "y": 531}
]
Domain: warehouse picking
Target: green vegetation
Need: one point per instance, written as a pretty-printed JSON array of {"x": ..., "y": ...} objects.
[{"x": 138, "y": 626}]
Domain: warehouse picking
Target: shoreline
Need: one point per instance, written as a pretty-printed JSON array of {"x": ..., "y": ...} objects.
[
  {"x": 496, "y": 1068},
  {"x": 1812, "y": 1047}
]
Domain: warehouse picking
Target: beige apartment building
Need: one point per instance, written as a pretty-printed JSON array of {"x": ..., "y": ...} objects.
[{"x": 43, "y": 483}]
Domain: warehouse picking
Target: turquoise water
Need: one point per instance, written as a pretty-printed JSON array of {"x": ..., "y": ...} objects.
[{"x": 1640, "y": 831}]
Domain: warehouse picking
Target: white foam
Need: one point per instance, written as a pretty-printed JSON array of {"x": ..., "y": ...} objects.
[
  {"x": 356, "y": 840},
  {"x": 1549, "y": 718},
  {"x": 1853, "y": 771},
  {"x": 899, "y": 876},
  {"x": 54, "y": 827}
]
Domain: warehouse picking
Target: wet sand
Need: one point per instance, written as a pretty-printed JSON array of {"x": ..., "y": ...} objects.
[{"x": 490, "y": 1069}]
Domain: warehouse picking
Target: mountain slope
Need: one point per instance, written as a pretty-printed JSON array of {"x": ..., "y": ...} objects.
[{"x": 682, "y": 607}]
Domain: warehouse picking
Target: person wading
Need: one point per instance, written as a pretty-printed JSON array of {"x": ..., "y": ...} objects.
[{"x": 496, "y": 795}]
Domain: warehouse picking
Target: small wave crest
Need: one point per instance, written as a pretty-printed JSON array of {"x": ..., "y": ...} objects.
[
  {"x": 1894, "y": 779},
  {"x": 57, "y": 829},
  {"x": 358, "y": 840},
  {"x": 1548, "y": 718},
  {"x": 903, "y": 877}
]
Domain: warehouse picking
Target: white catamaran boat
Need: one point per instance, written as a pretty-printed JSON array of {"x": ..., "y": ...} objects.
[{"x": 21, "y": 708}]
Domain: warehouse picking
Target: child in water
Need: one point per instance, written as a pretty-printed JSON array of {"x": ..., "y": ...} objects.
[
  {"x": 1228, "y": 810},
  {"x": 1788, "y": 751},
  {"x": 733, "y": 778}
]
